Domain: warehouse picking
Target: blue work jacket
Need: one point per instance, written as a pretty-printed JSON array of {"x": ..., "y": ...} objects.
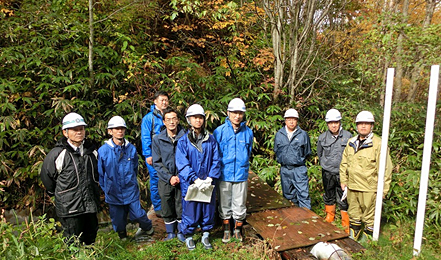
[
  {"x": 150, "y": 126},
  {"x": 164, "y": 149},
  {"x": 193, "y": 163},
  {"x": 118, "y": 168},
  {"x": 234, "y": 150},
  {"x": 292, "y": 153}
]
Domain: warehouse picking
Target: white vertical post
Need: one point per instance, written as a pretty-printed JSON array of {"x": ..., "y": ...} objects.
[
  {"x": 427, "y": 151},
  {"x": 383, "y": 153}
]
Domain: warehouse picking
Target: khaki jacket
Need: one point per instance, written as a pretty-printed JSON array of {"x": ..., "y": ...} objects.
[{"x": 359, "y": 167}]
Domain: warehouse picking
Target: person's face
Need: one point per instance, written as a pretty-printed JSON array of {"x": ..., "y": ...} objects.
[
  {"x": 236, "y": 117},
  {"x": 291, "y": 123},
  {"x": 161, "y": 102},
  {"x": 171, "y": 121},
  {"x": 75, "y": 134},
  {"x": 197, "y": 121},
  {"x": 117, "y": 132},
  {"x": 364, "y": 128},
  {"x": 334, "y": 127}
]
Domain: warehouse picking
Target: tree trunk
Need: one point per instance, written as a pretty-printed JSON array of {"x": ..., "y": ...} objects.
[
  {"x": 416, "y": 71},
  {"x": 91, "y": 73},
  {"x": 399, "y": 58}
]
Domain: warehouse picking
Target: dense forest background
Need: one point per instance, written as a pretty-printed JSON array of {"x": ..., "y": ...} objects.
[{"x": 105, "y": 58}]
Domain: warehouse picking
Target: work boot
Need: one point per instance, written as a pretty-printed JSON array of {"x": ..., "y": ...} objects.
[
  {"x": 238, "y": 230},
  {"x": 330, "y": 213},
  {"x": 354, "y": 230},
  {"x": 122, "y": 235},
  {"x": 190, "y": 243},
  {"x": 143, "y": 235},
  {"x": 368, "y": 232},
  {"x": 227, "y": 233},
  {"x": 345, "y": 220},
  {"x": 206, "y": 241},
  {"x": 180, "y": 236},
  {"x": 170, "y": 230}
]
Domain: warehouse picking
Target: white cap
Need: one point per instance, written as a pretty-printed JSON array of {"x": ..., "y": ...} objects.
[
  {"x": 115, "y": 122},
  {"x": 365, "y": 116},
  {"x": 332, "y": 115},
  {"x": 72, "y": 120},
  {"x": 236, "y": 104},
  {"x": 195, "y": 109},
  {"x": 291, "y": 113}
]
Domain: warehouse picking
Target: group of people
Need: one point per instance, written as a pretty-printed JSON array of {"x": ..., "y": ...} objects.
[
  {"x": 189, "y": 168},
  {"x": 350, "y": 167}
]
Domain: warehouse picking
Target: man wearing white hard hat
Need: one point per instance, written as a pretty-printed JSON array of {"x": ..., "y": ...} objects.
[
  {"x": 197, "y": 161},
  {"x": 118, "y": 170},
  {"x": 235, "y": 141},
  {"x": 69, "y": 172},
  {"x": 330, "y": 146},
  {"x": 359, "y": 174},
  {"x": 292, "y": 146}
]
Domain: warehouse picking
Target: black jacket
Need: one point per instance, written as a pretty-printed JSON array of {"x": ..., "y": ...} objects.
[
  {"x": 72, "y": 178},
  {"x": 163, "y": 153}
]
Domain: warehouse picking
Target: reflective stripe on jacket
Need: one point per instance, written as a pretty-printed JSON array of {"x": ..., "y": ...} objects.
[
  {"x": 75, "y": 182},
  {"x": 118, "y": 169},
  {"x": 330, "y": 149},
  {"x": 359, "y": 167},
  {"x": 234, "y": 150}
]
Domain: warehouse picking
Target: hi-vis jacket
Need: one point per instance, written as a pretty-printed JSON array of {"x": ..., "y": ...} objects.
[
  {"x": 72, "y": 178},
  {"x": 118, "y": 169},
  {"x": 234, "y": 150},
  {"x": 359, "y": 166},
  {"x": 330, "y": 149}
]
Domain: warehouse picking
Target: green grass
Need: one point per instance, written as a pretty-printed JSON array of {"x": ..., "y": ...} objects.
[{"x": 38, "y": 239}]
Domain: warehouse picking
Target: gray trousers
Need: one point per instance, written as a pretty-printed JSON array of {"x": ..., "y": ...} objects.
[{"x": 233, "y": 199}]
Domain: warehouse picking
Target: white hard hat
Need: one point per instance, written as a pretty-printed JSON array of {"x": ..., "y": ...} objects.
[
  {"x": 332, "y": 115},
  {"x": 291, "y": 113},
  {"x": 365, "y": 116},
  {"x": 236, "y": 104},
  {"x": 195, "y": 109},
  {"x": 115, "y": 122},
  {"x": 72, "y": 120}
]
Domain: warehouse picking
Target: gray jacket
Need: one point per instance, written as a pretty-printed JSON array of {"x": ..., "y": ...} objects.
[{"x": 330, "y": 149}]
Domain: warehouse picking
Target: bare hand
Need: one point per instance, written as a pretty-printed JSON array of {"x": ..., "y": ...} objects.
[
  {"x": 149, "y": 160},
  {"x": 174, "y": 180}
]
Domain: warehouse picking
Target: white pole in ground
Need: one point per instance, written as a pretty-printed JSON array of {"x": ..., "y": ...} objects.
[
  {"x": 383, "y": 153},
  {"x": 430, "y": 121}
]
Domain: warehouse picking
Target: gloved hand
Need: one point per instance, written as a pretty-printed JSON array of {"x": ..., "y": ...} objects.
[
  {"x": 345, "y": 194},
  {"x": 198, "y": 182},
  {"x": 206, "y": 184}
]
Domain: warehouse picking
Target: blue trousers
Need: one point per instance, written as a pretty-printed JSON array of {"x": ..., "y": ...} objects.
[
  {"x": 196, "y": 214},
  {"x": 118, "y": 214},
  {"x": 154, "y": 193},
  {"x": 295, "y": 185}
]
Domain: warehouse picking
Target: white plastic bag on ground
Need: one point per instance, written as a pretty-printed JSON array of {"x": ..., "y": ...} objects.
[{"x": 329, "y": 251}]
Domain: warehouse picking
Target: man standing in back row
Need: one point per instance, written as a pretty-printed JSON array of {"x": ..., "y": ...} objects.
[
  {"x": 330, "y": 146},
  {"x": 151, "y": 126},
  {"x": 292, "y": 146},
  {"x": 235, "y": 141}
]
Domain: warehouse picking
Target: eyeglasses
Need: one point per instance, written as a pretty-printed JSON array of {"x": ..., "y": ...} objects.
[{"x": 173, "y": 119}]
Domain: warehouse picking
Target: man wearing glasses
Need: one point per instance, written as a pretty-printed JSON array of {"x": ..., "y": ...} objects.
[
  {"x": 163, "y": 153},
  {"x": 150, "y": 126},
  {"x": 292, "y": 146}
]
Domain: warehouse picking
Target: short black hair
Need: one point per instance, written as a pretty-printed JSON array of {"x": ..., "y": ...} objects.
[
  {"x": 160, "y": 93},
  {"x": 167, "y": 111}
]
